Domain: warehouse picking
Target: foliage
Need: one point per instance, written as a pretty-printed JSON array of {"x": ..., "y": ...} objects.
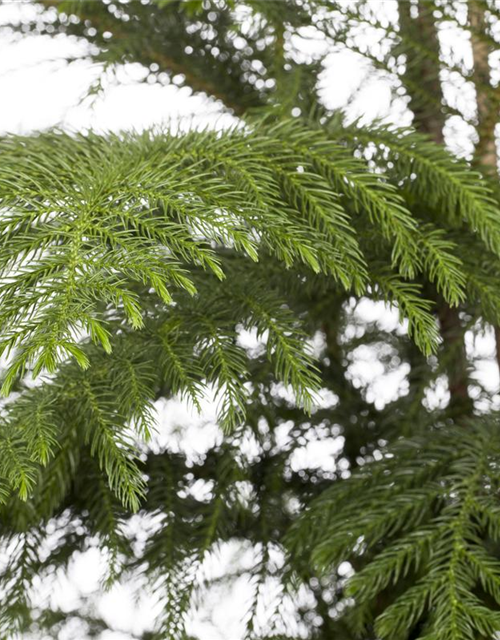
[
  {"x": 425, "y": 519},
  {"x": 134, "y": 268}
]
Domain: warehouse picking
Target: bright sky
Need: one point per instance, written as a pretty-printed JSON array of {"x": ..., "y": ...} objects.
[{"x": 40, "y": 90}]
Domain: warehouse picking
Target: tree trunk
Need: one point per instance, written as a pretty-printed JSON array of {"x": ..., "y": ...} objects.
[
  {"x": 426, "y": 104},
  {"x": 485, "y": 156},
  {"x": 487, "y": 101}
]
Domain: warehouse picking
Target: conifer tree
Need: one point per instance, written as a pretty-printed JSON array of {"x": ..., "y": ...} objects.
[{"x": 132, "y": 264}]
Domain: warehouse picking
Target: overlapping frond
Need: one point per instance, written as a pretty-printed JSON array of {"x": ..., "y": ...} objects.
[
  {"x": 420, "y": 530},
  {"x": 445, "y": 185},
  {"x": 80, "y": 227},
  {"x": 85, "y": 226},
  {"x": 113, "y": 231}
]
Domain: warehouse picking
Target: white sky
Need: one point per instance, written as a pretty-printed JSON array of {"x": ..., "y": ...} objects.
[{"x": 39, "y": 90}]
